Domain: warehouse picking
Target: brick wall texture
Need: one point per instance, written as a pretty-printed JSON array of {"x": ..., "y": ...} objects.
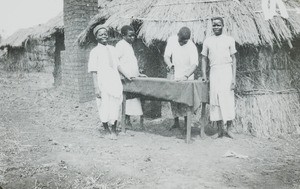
[{"x": 76, "y": 81}]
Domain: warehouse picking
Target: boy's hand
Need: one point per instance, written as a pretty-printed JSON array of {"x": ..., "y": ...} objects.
[
  {"x": 203, "y": 79},
  {"x": 142, "y": 75},
  {"x": 129, "y": 78},
  {"x": 169, "y": 67}
]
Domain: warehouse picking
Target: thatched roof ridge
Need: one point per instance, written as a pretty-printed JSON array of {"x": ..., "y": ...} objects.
[
  {"x": 55, "y": 24},
  {"x": 161, "y": 18},
  {"x": 42, "y": 31},
  {"x": 114, "y": 13},
  {"x": 17, "y": 39}
]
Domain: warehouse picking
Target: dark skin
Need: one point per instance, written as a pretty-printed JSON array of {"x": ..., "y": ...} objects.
[
  {"x": 182, "y": 40},
  {"x": 217, "y": 27},
  {"x": 130, "y": 38},
  {"x": 102, "y": 38}
]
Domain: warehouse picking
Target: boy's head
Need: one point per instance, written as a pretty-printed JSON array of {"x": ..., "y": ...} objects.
[
  {"x": 217, "y": 25},
  {"x": 101, "y": 34},
  {"x": 184, "y": 35},
  {"x": 128, "y": 34}
]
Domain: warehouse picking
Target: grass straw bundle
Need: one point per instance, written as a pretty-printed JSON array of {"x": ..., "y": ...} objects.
[
  {"x": 268, "y": 115},
  {"x": 268, "y": 102},
  {"x": 244, "y": 20},
  {"x": 197, "y": 16}
]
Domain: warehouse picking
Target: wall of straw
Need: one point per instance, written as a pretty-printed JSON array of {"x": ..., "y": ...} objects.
[{"x": 267, "y": 97}]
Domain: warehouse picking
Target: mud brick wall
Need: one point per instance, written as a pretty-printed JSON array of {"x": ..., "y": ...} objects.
[{"x": 75, "y": 79}]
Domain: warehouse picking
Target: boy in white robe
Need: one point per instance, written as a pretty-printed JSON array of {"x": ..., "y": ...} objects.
[
  {"x": 104, "y": 66},
  {"x": 219, "y": 50},
  {"x": 182, "y": 55},
  {"x": 129, "y": 64}
]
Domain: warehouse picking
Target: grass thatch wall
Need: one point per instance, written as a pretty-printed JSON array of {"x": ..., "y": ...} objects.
[{"x": 267, "y": 98}]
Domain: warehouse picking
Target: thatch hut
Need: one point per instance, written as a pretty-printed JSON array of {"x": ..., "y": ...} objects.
[
  {"x": 268, "y": 51},
  {"x": 36, "y": 48}
]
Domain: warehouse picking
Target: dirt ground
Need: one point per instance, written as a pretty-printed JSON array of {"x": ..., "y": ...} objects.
[{"x": 49, "y": 140}]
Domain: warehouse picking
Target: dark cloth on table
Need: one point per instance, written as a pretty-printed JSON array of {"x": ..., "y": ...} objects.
[{"x": 190, "y": 92}]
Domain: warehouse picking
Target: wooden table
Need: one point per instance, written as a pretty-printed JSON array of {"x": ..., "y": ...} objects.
[{"x": 193, "y": 93}]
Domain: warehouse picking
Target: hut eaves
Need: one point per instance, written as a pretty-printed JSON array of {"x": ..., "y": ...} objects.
[
  {"x": 161, "y": 18},
  {"x": 41, "y": 31}
]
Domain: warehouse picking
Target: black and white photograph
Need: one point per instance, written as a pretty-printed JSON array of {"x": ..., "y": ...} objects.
[{"x": 149, "y": 94}]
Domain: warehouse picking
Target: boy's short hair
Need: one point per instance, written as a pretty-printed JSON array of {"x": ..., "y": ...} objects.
[
  {"x": 184, "y": 32},
  {"x": 218, "y": 18},
  {"x": 125, "y": 29}
]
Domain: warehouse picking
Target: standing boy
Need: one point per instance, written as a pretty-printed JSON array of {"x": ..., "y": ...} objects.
[
  {"x": 129, "y": 63},
  {"x": 219, "y": 50},
  {"x": 182, "y": 55},
  {"x": 104, "y": 65}
]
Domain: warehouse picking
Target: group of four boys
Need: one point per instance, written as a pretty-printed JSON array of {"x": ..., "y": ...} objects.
[{"x": 106, "y": 63}]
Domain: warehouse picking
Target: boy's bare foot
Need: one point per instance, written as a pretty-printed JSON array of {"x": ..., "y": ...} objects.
[
  {"x": 220, "y": 132},
  {"x": 202, "y": 133},
  {"x": 228, "y": 134},
  {"x": 105, "y": 133},
  {"x": 113, "y": 136}
]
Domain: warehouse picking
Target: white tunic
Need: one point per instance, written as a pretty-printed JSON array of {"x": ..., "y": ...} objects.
[
  {"x": 219, "y": 49},
  {"x": 183, "y": 57},
  {"x": 104, "y": 61},
  {"x": 129, "y": 64}
]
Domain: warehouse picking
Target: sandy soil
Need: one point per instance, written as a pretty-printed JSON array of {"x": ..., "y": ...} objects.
[{"x": 51, "y": 141}]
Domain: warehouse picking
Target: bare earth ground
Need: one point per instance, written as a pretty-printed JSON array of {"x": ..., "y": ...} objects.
[{"x": 52, "y": 141}]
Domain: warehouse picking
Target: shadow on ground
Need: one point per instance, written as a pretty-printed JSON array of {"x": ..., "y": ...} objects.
[{"x": 163, "y": 127}]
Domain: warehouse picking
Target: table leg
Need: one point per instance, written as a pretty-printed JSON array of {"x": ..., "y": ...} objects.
[
  {"x": 188, "y": 125},
  {"x": 123, "y": 113},
  {"x": 142, "y": 122},
  {"x": 203, "y": 120},
  {"x": 142, "y": 116}
]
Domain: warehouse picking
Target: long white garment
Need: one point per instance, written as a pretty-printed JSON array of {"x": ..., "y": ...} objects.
[
  {"x": 219, "y": 49},
  {"x": 103, "y": 60},
  {"x": 108, "y": 108},
  {"x": 221, "y": 97},
  {"x": 129, "y": 64},
  {"x": 183, "y": 57}
]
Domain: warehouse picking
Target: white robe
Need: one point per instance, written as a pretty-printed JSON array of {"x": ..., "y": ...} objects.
[
  {"x": 129, "y": 64},
  {"x": 219, "y": 49},
  {"x": 103, "y": 60}
]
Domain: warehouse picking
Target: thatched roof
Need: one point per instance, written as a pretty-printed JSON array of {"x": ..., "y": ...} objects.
[
  {"x": 159, "y": 19},
  {"x": 42, "y": 31}
]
